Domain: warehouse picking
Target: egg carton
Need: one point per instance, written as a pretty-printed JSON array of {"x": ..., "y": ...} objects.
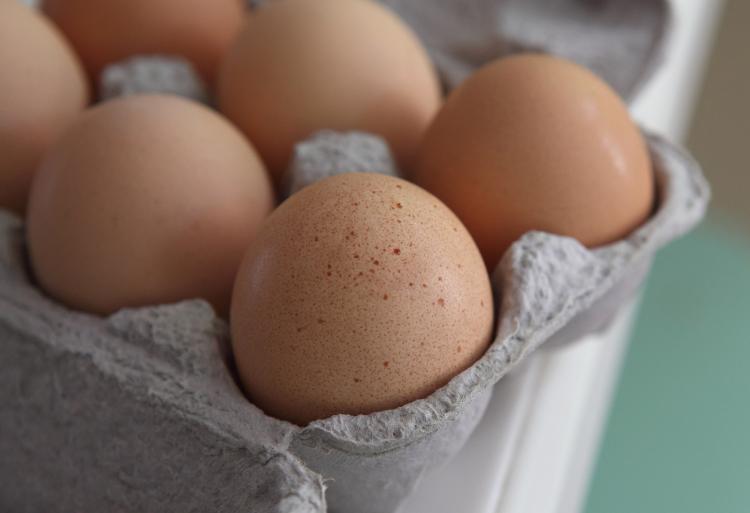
[
  {"x": 141, "y": 411},
  {"x": 153, "y": 74}
]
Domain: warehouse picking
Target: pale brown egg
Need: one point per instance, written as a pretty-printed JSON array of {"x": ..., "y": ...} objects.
[
  {"x": 299, "y": 66},
  {"x": 362, "y": 292},
  {"x": 145, "y": 200},
  {"x": 105, "y": 32},
  {"x": 42, "y": 89},
  {"x": 535, "y": 142}
]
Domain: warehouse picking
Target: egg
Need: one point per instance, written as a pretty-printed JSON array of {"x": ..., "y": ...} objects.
[
  {"x": 535, "y": 142},
  {"x": 361, "y": 292},
  {"x": 42, "y": 90},
  {"x": 299, "y": 66},
  {"x": 145, "y": 200},
  {"x": 105, "y": 32}
]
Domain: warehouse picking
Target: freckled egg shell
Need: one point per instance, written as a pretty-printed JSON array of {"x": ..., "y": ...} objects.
[
  {"x": 362, "y": 292},
  {"x": 42, "y": 90},
  {"x": 145, "y": 200},
  {"x": 534, "y": 142},
  {"x": 299, "y": 66},
  {"x": 107, "y": 31}
]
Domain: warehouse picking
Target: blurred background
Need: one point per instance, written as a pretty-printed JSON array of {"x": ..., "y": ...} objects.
[{"x": 678, "y": 437}]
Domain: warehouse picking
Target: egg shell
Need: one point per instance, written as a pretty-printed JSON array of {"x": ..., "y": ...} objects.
[
  {"x": 299, "y": 66},
  {"x": 42, "y": 90},
  {"x": 146, "y": 200},
  {"x": 361, "y": 293},
  {"x": 534, "y": 142},
  {"x": 105, "y": 32}
]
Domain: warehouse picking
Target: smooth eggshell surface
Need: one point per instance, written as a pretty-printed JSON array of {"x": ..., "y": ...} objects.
[
  {"x": 105, "y": 32},
  {"x": 299, "y": 66},
  {"x": 534, "y": 142},
  {"x": 362, "y": 292},
  {"x": 146, "y": 200},
  {"x": 42, "y": 90}
]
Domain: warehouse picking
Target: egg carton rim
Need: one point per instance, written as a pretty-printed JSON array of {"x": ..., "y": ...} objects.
[{"x": 373, "y": 434}]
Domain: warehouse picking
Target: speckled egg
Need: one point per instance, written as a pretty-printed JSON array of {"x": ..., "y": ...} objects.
[{"x": 362, "y": 292}]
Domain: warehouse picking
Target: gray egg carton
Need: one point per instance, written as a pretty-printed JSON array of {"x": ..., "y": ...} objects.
[
  {"x": 621, "y": 40},
  {"x": 140, "y": 411},
  {"x": 153, "y": 74}
]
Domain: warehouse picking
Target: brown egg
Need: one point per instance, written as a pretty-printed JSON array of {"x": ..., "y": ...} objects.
[
  {"x": 146, "y": 200},
  {"x": 362, "y": 292},
  {"x": 300, "y": 66},
  {"x": 534, "y": 142},
  {"x": 104, "y": 32},
  {"x": 42, "y": 89}
]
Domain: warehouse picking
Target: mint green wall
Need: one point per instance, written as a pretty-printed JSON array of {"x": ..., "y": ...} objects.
[{"x": 678, "y": 439}]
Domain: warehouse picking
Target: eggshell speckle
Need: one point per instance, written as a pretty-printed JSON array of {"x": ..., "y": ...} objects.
[
  {"x": 534, "y": 142},
  {"x": 362, "y": 292}
]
